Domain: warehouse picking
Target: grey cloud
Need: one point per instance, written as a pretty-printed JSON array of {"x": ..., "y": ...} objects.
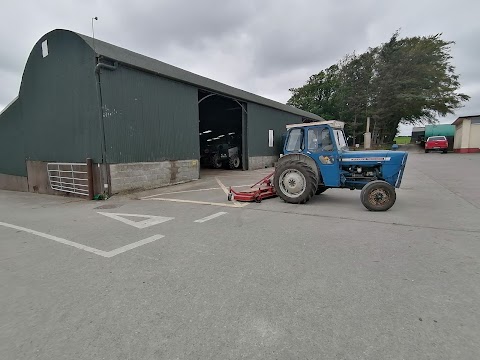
[
  {"x": 10, "y": 83},
  {"x": 264, "y": 47},
  {"x": 313, "y": 36},
  {"x": 183, "y": 23}
]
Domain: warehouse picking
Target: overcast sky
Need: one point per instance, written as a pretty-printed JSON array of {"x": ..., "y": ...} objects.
[{"x": 262, "y": 46}]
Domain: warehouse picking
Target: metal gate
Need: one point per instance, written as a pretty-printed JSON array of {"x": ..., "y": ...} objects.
[{"x": 74, "y": 178}]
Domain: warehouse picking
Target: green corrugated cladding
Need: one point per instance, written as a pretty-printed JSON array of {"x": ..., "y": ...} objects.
[
  {"x": 260, "y": 120},
  {"x": 440, "y": 129},
  {"x": 12, "y": 153},
  {"x": 147, "y": 117},
  {"x": 60, "y": 107},
  {"x": 165, "y": 70}
]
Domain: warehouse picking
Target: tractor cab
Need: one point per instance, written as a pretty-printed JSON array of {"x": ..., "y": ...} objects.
[{"x": 322, "y": 142}]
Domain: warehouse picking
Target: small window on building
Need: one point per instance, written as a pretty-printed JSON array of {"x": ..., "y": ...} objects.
[{"x": 45, "y": 48}]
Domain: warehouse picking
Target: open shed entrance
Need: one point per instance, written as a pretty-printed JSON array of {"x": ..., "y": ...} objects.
[{"x": 222, "y": 123}]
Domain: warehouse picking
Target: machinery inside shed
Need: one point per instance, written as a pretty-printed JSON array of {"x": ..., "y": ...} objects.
[{"x": 220, "y": 127}]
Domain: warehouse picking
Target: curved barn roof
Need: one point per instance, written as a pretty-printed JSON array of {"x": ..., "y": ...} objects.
[{"x": 136, "y": 60}]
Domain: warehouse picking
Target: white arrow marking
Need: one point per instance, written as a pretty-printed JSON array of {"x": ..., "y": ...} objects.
[
  {"x": 106, "y": 254},
  {"x": 133, "y": 245},
  {"x": 150, "y": 219}
]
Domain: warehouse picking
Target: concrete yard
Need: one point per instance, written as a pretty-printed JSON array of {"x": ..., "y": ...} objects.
[{"x": 203, "y": 278}]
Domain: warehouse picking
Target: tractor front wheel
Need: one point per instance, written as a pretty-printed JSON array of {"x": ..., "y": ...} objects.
[
  {"x": 216, "y": 161},
  {"x": 378, "y": 195},
  {"x": 295, "y": 182}
]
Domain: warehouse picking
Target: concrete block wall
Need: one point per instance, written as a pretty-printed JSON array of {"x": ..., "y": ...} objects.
[
  {"x": 149, "y": 175},
  {"x": 13, "y": 182},
  {"x": 261, "y": 162},
  {"x": 38, "y": 178}
]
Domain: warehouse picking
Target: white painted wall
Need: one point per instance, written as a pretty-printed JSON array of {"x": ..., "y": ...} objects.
[
  {"x": 474, "y": 136},
  {"x": 465, "y": 134},
  {"x": 457, "y": 141}
]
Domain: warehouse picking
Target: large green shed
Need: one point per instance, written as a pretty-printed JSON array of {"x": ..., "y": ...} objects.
[{"x": 143, "y": 121}]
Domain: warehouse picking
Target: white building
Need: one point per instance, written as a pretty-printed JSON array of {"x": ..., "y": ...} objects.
[{"x": 467, "y": 134}]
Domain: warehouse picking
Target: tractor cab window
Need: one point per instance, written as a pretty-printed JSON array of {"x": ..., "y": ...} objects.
[
  {"x": 326, "y": 140},
  {"x": 314, "y": 142},
  {"x": 340, "y": 139},
  {"x": 295, "y": 140}
]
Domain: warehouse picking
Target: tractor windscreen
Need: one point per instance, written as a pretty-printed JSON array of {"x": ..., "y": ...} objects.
[
  {"x": 295, "y": 140},
  {"x": 340, "y": 139}
]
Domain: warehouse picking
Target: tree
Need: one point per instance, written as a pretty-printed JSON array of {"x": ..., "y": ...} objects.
[
  {"x": 353, "y": 90},
  {"x": 318, "y": 94},
  {"x": 414, "y": 82},
  {"x": 407, "y": 80}
]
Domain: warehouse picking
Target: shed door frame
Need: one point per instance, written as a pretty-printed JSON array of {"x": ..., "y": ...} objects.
[
  {"x": 244, "y": 139},
  {"x": 244, "y": 122}
]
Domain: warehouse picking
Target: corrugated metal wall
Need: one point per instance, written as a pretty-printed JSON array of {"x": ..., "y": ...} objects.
[
  {"x": 148, "y": 118},
  {"x": 12, "y": 153},
  {"x": 61, "y": 117},
  {"x": 260, "y": 120}
]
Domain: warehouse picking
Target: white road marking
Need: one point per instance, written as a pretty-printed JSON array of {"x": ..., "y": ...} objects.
[
  {"x": 226, "y": 191},
  {"x": 133, "y": 245},
  {"x": 198, "y": 202},
  {"x": 151, "y": 220},
  {"x": 106, "y": 254},
  {"x": 55, "y": 238},
  {"x": 213, "y": 216},
  {"x": 246, "y": 174},
  {"x": 187, "y": 191},
  {"x": 224, "y": 188},
  {"x": 178, "y": 192}
]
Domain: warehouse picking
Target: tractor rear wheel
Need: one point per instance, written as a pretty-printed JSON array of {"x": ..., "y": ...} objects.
[
  {"x": 234, "y": 162},
  {"x": 378, "y": 195},
  {"x": 321, "y": 189},
  {"x": 295, "y": 182}
]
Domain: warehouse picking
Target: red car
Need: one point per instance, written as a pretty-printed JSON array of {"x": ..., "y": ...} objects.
[{"x": 436, "y": 143}]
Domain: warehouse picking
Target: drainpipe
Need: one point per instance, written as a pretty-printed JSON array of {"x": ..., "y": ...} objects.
[
  {"x": 102, "y": 126},
  {"x": 105, "y": 66}
]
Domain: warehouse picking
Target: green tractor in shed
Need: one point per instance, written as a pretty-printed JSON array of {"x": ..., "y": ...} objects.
[{"x": 226, "y": 153}]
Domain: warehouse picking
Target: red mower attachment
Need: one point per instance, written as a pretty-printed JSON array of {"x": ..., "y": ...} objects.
[{"x": 265, "y": 190}]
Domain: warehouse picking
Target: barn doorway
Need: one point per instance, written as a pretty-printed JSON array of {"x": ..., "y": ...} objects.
[{"x": 222, "y": 122}]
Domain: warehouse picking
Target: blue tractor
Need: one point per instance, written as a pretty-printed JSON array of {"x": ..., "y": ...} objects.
[{"x": 316, "y": 158}]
